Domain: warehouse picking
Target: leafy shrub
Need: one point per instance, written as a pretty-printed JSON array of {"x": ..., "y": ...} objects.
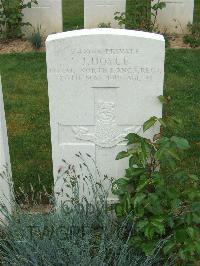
[
  {"x": 193, "y": 39},
  {"x": 36, "y": 39},
  {"x": 139, "y": 15},
  {"x": 11, "y": 17},
  {"x": 161, "y": 198}
]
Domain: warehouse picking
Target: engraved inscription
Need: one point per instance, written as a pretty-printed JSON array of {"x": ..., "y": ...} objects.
[
  {"x": 106, "y": 51},
  {"x": 103, "y": 65}
]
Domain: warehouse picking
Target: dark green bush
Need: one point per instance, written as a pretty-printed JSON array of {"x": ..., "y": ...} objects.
[
  {"x": 11, "y": 16},
  {"x": 160, "y": 197},
  {"x": 139, "y": 14},
  {"x": 193, "y": 39}
]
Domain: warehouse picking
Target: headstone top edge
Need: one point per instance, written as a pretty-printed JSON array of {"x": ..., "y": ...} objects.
[{"x": 105, "y": 31}]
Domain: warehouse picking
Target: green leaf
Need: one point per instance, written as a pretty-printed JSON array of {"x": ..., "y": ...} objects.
[
  {"x": 132, "y": 161},
  {"x": 163, "y": 141},
  {"x": 121, "y": 155},
  {"x": 128, "y": 173},
  {"x": 173, "y": 154},
  {"x": 182, "y": 255},
  {"x": 191, "y": 232},
  {"x": 119, "y": 210},
  {"x": 133, "y": 172},
  {"x": 181, "y": 235},
  {"x": 172, "y": 192},
  {"x": 138, "y": 199},
  {"x": 175, "y": 120},
  {"x": 142, "y": 186},
  {"x": 197, "y": 245},
  {"x": 158, "y": 224},
  {"x": 145, "y": 147},
  {"x": 181, "y": 143},
  {"x": 140, "y": 212},
  {"x": 169, "y": 246},
  {"x": 135, "y": 241},
  {"x": 128, "y": 202},
  {"x": 119, "y": 186},
  {"x": 162, "y": 122},
  {"x": 132, "y": 138},
  {"x": 159, "y": 5},
  {"x": 196, "y": 218},
  {"x": 149, "y": 123},
  {"x": 132, "y": 151},
  {"x": 164, "y": 99},
  {"x": 159, "y": 153},
  {"x": 148, "y": 248},
  {"x": 172, "y": 164},
  {"x": 142, "y": 224},
  {"x": 196, "y": 206},
  {"x": 170, "y": 221},
  {"x": 149, "y": 231},
  {"x": 194, "y": 177}
]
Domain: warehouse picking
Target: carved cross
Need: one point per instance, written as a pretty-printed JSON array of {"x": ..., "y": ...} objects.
[{"x": 106, "y": 135}]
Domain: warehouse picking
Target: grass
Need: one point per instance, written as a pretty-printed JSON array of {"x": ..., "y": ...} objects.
[
  {"x": 26, "y": 105},
  {"x": 197, "y": 11},
  {"x": 182, "y": 83},
  {"x": 73, "y": 14}
]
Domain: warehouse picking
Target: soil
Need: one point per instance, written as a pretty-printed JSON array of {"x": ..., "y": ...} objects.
[
  {"x": 20, "y": 46},
  {"x": 37, "y": 209},
  {"x": 17, "y": 46},
  {"x": 176, "y": 42}
]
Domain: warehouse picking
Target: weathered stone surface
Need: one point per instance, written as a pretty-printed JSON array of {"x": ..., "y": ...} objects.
[
  {"x": 5, "y": 167},
  {"x": 103, "y": 84},
  {"x": 102, "y": 11},
  {"x": 174, "y": 18},
  {"x": 46, "y": 16}
]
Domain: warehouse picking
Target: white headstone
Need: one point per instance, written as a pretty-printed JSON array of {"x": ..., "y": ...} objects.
[
  {"x": 103, "y": 84},
  {"x": 5, "y": 182},
  {"x": 46, "y": 16},
  {"x": 102, "y": 11},
  {"x": 174, "y": 18}
]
